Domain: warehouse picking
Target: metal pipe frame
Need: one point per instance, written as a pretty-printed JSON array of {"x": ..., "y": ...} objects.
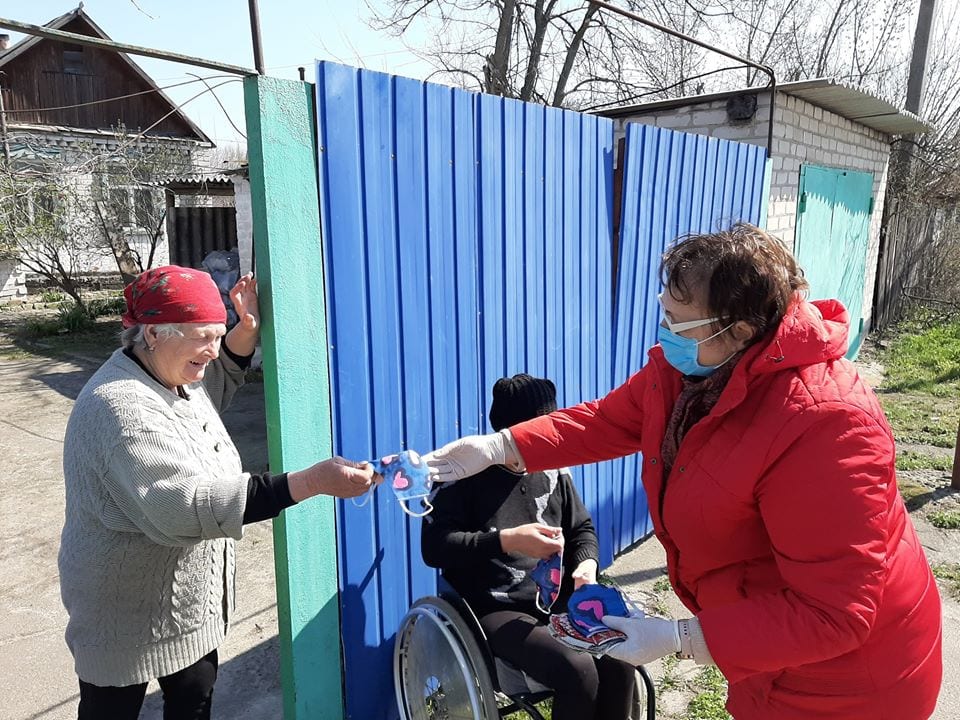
[
  {"x": 76, "y": 39},
  {"x": 255, "y": 37},
  {"x": 706, "y": 46}
]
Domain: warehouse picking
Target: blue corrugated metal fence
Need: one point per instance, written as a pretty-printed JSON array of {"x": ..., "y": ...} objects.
[
  {"x": 468, "y": 237},
  {"x": 673, "y": 183}
]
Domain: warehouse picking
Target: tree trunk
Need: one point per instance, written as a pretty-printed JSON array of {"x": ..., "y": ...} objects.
[
  {"x": 541, "y": 20},
  {"x": 560, "y": 93},
  {"x": 495, "y": 71}
]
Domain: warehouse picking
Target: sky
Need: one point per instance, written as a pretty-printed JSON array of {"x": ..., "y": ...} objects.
[{"x": 294, "y": 33}]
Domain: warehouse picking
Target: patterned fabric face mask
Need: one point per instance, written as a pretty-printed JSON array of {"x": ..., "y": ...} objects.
[
  {"x": 409, "y": 478},
  {"x": 590, "y": 603},
  {"x": 548, "y": 575}
]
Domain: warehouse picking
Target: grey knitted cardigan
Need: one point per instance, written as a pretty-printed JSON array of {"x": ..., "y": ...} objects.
[{"x": 154, "y": 494}]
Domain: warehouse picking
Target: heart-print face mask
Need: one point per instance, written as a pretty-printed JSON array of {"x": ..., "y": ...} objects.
[
  {"x": 409, "y": 478},
  {"x": 548, "y": 575},
  {"x": 590, "y": 603}
]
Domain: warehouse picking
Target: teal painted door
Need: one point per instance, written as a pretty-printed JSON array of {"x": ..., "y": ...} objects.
[{"x": 833, "y": 232}]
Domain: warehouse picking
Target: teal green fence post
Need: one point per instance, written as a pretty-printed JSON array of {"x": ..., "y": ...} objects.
[{"x": 281, "y": 138}]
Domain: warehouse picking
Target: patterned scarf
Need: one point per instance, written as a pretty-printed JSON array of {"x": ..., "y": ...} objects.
[
  {"x": 696, "y": 400},
  {"x": 173, "y": 294}
]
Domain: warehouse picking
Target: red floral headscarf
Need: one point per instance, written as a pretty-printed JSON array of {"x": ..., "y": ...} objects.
[{"x": 173, "y": 294}]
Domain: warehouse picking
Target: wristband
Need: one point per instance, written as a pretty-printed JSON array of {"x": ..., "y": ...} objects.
[{"x": 686, "y": 643}]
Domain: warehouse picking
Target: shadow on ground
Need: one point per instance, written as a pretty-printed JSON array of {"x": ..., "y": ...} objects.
[{"x": 246, "y": 686}]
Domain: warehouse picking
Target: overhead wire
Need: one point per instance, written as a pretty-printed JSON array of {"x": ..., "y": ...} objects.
[
  {"x": 118, "y": 97},
  {"x": 225, "y": 113},
  {"x": 127, "y": 141}
]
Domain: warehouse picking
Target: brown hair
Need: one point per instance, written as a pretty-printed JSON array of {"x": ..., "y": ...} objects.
[{"x": 742, "y": 273}]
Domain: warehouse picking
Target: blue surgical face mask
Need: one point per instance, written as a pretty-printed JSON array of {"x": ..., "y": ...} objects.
[
  {"x": 683, "y": 352},
  {"x": 548, "y": 575},
  {"x": 409, "y": 478}
]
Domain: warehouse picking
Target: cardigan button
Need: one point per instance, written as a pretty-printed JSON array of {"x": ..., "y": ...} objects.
[
  {"x": 216, "y": 447},
  {"x": 683, "y": 469},
  {"x": 523, "y": 489},
  {"x": 653, "y": 461}
]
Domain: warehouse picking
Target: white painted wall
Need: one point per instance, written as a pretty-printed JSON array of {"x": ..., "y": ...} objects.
[
  {"x": 244, "y": 209},
  {"x": 76, "y": 146}
]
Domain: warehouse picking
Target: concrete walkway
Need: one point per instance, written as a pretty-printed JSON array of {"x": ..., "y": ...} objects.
[{"x": 36, "y": 674}]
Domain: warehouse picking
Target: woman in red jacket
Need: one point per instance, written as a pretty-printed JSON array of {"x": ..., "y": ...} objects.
[{"x": 769, "y": 467}]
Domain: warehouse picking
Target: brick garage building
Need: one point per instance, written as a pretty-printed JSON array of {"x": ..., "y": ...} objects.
[{"x": 827, "y": 172}]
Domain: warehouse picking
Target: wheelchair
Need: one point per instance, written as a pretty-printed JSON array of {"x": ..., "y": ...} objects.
[{"x": 443, "y": 669}]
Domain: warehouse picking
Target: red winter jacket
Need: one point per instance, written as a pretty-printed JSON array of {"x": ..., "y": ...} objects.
[{"x": 784, "y": 530}]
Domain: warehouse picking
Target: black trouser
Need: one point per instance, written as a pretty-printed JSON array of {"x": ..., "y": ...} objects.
[
  {"x": 187, "y": 695},
  {"x": 586, "y": 688}
]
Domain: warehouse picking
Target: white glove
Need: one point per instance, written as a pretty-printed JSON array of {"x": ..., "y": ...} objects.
[
  {"x": 470, "y": 455},
  {"x": 648, "y": 638}
]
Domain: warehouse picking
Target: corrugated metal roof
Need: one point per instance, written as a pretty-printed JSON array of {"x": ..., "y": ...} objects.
[
  {"x": 837, "y": 97},
  {"x": 204, "y": 179},
  {"x": 857, "y": 105}
]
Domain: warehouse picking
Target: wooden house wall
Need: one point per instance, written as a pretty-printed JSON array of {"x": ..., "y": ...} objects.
[{"x": 42, "y": 77}]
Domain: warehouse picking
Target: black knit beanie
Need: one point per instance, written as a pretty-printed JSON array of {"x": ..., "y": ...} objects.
[{"x": 520, "y": 398}]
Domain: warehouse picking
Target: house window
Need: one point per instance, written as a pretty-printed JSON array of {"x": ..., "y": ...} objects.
[
  {"x": 119, "y": 205},
  {"x": 44, "y": 206},
  {"x": 144, "y": 208},
  {"x": 73, "y": 60}
]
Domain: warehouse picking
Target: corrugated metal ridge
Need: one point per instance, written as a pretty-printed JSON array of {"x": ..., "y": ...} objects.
[
  {"x": 857, "y": 105},
  {"x": 827, "y": 93},
  {"x": 67, "y": 130},
  {"x": 211, "y": 179}
]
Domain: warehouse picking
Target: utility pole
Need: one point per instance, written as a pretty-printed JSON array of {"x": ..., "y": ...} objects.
[
  {"x": 915, "y": 82},
  {"x": 918, "y": 72},
  {"x": 918, "y": 61}
]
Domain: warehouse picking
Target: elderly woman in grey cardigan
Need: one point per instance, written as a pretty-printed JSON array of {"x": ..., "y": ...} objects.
[{"x": 156, "y": 496}]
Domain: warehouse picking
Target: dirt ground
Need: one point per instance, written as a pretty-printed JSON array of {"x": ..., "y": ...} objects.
[{"x": 36, "y": 675}]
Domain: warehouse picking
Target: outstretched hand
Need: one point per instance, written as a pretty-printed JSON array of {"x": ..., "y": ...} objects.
[
  {"x": 473, "y": 454},
  {"x": 337, "y": 477},
  {"x": 465, "y": 457}
]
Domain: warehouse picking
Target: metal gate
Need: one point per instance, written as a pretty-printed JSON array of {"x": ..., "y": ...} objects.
[
  {"x": 833, "y": 232},
  {"x": 674, "y": 183},
  {"x": 467, "y": 237},
  {"x": 197, "y": 231}
]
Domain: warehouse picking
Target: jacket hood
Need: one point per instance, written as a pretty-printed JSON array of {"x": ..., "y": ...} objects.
[{"x": 810, "y": 332}]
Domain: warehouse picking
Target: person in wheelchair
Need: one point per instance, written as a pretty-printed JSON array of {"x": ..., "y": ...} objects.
[{"x": 487, "y": 533}]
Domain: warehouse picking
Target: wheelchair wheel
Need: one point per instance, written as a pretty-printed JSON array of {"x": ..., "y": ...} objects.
[{"x": 438, "y": 668}]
